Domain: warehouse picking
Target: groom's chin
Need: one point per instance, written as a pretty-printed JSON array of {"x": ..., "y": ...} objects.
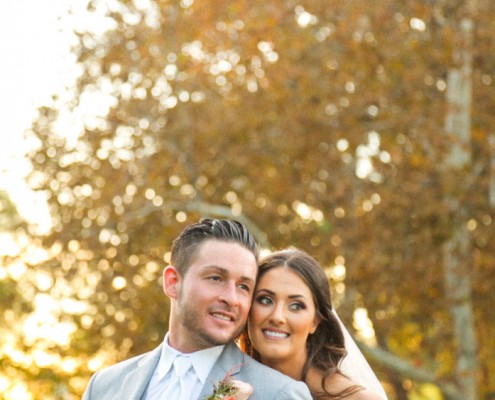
[{"x": 218, "y": 337}]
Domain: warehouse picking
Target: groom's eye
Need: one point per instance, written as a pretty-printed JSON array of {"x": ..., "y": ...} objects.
[{"x": 245, "y": 287}]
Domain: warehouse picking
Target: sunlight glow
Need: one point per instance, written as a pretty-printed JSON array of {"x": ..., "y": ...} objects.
[
  {"x": 338, "y": 272},
  {"x": 8, "y": 245},
  {"x": 4, "y": 384},
  {"x": 364, "y": 326},
  {"x": 96, "y": 363},
  {"x": 304, "y": 18},
  {"x": 267, "y": 49},
  {"x": 417, "y": 24},
  {"x": 16, "y": 269},
  {"x": 69, "y": 365},
  {"x": 307, "y": 212},
  {"x": 342, "y": 144},
  {"x": 44, "y": 323},
  {"x": 365, "y": 153},
  {"x": 18, "y": 392},
  {"x": 39, "y": 63},
  {"x": 119, "y": 283}
]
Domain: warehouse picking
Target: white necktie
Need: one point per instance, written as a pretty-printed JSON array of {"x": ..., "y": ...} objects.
[{"x": 178, "y": 388}]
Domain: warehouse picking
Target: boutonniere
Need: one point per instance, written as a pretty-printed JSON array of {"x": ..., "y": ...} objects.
[{"x": 230, "y": 389}]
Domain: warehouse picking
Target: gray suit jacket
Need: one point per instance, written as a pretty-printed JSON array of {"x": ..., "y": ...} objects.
[{"x": 128, "y": 379}]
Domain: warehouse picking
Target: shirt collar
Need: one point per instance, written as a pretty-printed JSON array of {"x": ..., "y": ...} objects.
[{"x": 202, "y": 360}]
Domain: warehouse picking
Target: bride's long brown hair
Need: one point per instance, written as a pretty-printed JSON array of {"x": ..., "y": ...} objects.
[{"x": 325, "y": 347}]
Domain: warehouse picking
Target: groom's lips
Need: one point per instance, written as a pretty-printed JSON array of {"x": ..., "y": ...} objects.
[{"x": 224, "y": 316}]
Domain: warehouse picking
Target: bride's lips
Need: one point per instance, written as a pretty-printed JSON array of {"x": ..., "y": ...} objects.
[{"x": 274, "y": 334}]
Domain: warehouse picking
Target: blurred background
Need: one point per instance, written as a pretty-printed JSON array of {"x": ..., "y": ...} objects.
[{"x": 361, "y": 132}]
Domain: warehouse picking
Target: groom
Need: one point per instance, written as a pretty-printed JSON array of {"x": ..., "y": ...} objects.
[{"x": 210, "y": 283}]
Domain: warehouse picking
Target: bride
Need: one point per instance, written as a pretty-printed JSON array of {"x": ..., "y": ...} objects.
[{"x": 293, "y": 329}]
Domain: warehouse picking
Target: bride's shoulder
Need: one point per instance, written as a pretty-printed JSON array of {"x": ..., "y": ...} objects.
[
  {"x": 338, "y": 382},
  {"x": 364, "y": 395}
]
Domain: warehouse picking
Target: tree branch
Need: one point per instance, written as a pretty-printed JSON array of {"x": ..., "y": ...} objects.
[{"x": 389, "y": 360}]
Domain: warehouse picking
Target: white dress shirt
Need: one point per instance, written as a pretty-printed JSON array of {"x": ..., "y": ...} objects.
[{"x": 202, "y": 362}]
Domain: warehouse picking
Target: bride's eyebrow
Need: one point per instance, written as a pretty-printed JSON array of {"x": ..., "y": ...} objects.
[
  {"x": 297, "y": 296},
  {"x": 292, "y": 296},
  {"x": 265, "y": 291}
]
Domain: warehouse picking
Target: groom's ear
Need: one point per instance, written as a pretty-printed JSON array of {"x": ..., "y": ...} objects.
[{"x": 171, "y": 281}]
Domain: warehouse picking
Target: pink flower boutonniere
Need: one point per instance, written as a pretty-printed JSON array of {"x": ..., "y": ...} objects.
[{"x": 229, "y": 389}]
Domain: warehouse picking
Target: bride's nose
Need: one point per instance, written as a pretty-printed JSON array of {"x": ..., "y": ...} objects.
[{"x": 277, "y": 316}]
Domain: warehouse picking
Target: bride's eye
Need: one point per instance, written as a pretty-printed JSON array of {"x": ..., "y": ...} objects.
[
  {"x": 297, "y": 306},
  {"x": 264, "y": 300}
]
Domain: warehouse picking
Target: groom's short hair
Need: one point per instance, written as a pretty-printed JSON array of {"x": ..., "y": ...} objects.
[{"x": 185, "y": 246}]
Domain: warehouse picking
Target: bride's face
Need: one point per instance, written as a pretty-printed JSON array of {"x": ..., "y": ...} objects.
[{"x": 282, "y": 316}]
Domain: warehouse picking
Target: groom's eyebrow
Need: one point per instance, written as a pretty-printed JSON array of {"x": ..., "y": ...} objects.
[
  {"x": 248, "y": 279},
  {"x": 225, "y": 272}
]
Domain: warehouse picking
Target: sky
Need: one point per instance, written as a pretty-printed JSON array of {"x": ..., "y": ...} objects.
[{"x": 35, "y": 53}]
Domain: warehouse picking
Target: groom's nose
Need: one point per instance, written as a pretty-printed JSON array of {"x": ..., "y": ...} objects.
[{"x": 229, "y": 294}]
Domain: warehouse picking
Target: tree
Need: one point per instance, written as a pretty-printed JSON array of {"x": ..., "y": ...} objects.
[
  {"x": 319, "y": 123},
  {"x": 458, "y": 248},
  {"x": 14, "y": 304}
]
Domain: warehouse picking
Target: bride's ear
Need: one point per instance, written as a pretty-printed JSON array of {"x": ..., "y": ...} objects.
[
  {"x": 171, "y": 281},
  {"x": 316, "y": 322}
]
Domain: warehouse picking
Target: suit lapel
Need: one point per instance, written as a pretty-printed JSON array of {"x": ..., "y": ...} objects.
[
  {"x": 136, "y": 381},
  {"x": 231, "y": 357}
]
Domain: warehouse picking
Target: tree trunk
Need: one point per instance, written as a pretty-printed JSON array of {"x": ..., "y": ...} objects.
[
  {"x": 491, "y": 193},
  {"x": 457, "y": 249}
]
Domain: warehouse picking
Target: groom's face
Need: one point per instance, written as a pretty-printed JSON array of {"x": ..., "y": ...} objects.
[{"x": 215, "y": 295}]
